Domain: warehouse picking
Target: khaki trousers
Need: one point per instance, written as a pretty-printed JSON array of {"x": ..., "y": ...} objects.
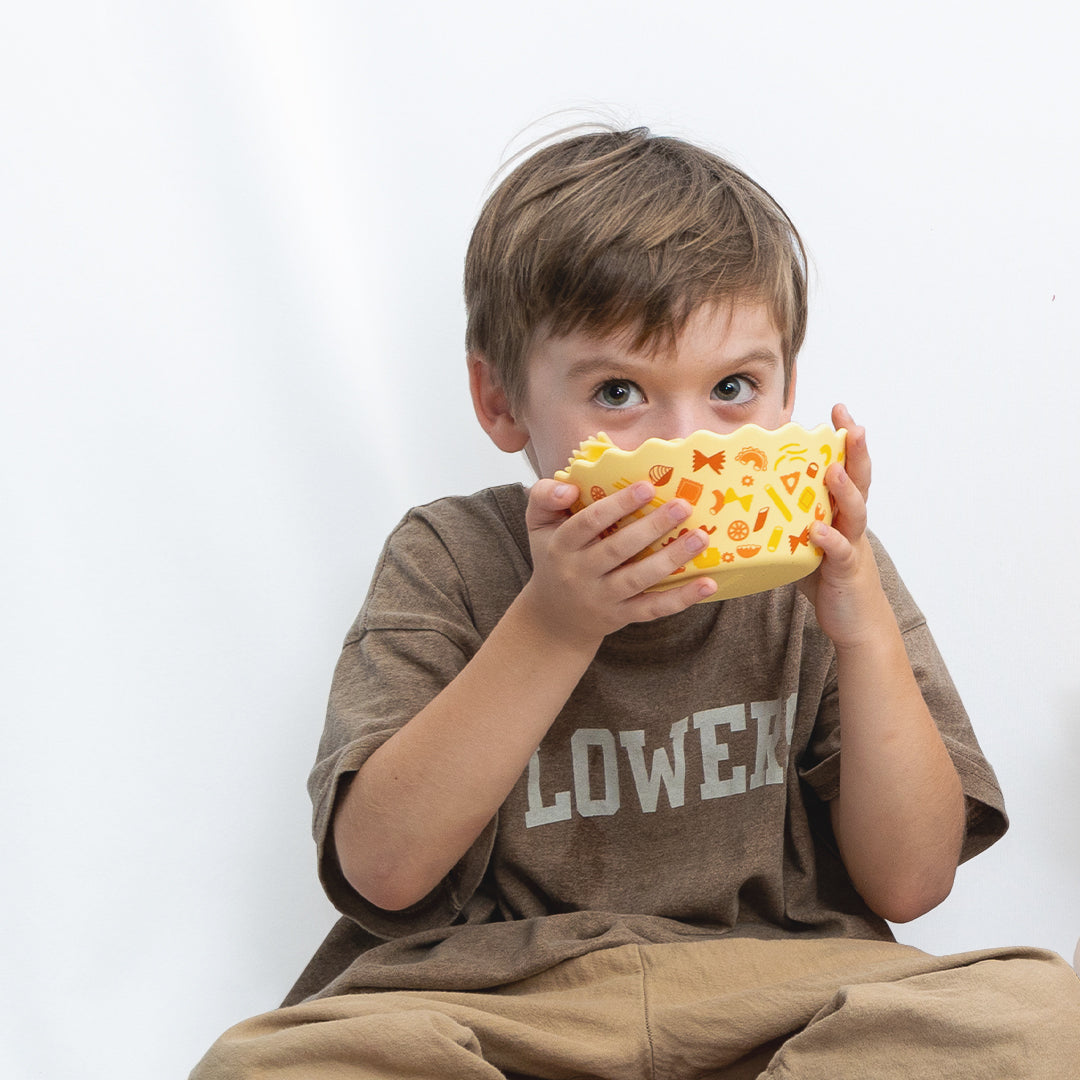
[{"x": 732, "y": 1009}]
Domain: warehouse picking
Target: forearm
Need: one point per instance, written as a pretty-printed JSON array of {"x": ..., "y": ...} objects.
[
  {"x": 899, "y": 817},
  {"x": 426, "y": 794}
]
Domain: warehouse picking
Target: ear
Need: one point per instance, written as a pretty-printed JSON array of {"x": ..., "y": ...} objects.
[{"x": 493, "y": 408}]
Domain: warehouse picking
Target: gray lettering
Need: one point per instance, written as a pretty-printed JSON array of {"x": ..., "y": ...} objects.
[
  {"x": 767, "y": 769},
  {"x": 579, "y": 747},
  {"x": 712, "y": 752},
  {"x": 672, "y": 777},
  {"x": 538, "y": 813}
]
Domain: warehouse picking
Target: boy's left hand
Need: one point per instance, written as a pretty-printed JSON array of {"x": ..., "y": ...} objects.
[
  {"x": 845, "y": 589},
  {"x": 898, "y": 816}
]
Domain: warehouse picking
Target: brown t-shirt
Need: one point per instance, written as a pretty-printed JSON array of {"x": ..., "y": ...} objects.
[{"x": 682, "y": 792}]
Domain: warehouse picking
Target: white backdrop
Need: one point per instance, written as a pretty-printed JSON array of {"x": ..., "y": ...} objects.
[{"x": 231, "y": 323}]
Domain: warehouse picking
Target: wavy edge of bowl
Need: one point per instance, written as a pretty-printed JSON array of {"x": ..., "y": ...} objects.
[{"x": 702, "y": 434}]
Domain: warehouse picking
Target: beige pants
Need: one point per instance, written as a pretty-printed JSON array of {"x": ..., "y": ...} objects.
[{"x": 730, "y": 1009}]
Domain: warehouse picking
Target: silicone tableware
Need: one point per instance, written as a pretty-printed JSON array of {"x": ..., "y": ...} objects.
[{"x": 755, "y": 492}]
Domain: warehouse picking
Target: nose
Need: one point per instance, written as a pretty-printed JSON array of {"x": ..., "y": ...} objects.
[{"x": 679, "y": 421}]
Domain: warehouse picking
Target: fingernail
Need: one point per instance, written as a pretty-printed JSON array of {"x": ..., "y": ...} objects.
[
  {"x": 695, "y": 541},
  {"x": 561, "y": 491},
  {"x": 642, "y": 491}
]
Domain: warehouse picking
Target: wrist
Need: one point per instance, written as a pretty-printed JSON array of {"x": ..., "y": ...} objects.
[
  {"x": 549, "y": 627},
  {"x": 869, "y": 625},
  {"x": 874, "y": 633}
]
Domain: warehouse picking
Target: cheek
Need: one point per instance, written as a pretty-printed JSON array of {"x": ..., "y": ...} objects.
[
  {"x": 783, "y": 407},
  {"x": 551, "y": 451}
]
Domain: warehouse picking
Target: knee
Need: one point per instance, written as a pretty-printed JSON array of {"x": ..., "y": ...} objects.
[{"x": 354, "y": 1034}]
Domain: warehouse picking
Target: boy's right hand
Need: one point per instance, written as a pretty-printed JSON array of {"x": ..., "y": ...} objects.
[
  {"x": 584, "y": 584},
  {"x": 427, "y": 793}
]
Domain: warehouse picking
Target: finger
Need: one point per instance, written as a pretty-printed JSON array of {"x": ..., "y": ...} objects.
[
  {"x": 636, "y": 576},
  {"x": 834, "y": 545},
  {"x": 646, "y": 606},
  {"x": 625, "y": 546},
  {"x": 850, "y": 506},
  {"x": 856, "y": 454},
  {"x": 635, "y": 537},
  {"x": 598, "y": 518},
  {"x": 549, "y": 502}
]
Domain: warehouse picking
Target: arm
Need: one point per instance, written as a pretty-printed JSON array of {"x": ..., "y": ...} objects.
[
  {"x": 423, "y": 797},
  {"x": 899, "y": 816}
]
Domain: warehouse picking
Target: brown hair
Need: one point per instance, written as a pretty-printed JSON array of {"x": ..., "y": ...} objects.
[{"x": 618, "y": 231}]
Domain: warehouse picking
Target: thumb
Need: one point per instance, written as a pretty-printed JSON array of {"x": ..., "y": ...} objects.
[{"x": 549, "y": 500}]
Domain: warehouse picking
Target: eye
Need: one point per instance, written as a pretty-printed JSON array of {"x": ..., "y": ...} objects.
[
  {"x": 618, "y": 394},
  {"x": 735, "y": 389}
]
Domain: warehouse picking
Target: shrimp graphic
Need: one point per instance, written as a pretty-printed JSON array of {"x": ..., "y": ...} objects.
[{"x": 751, "y": 455}]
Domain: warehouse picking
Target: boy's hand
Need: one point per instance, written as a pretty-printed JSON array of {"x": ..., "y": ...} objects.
[
  {"x": 845, "y": 589},
  {"x": 584, "y": 584}
]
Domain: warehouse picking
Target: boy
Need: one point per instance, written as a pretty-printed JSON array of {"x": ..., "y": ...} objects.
[{"x": 524, "y": 894}]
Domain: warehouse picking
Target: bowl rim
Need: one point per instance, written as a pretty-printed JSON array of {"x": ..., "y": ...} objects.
[{"x": 583, "y": 458}]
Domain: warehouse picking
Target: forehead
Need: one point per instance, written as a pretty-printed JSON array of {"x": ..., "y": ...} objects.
[{"x": 738, "y": 331}]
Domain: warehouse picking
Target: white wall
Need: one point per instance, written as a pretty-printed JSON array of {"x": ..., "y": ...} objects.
[{"x": 231, "y": 341}]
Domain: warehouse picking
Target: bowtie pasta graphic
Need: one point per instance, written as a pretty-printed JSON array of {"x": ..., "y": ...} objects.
[{"x": 755, "y": 494}]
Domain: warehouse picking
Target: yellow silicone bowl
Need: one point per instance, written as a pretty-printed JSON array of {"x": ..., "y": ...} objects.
[{"x": 755, "y": 492}]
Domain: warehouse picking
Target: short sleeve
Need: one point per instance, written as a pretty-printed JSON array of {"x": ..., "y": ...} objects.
[
  {"x": 419, "y": 626},
  {"x": 820, "y": 766},
  {"x": 382, "y": 680}
]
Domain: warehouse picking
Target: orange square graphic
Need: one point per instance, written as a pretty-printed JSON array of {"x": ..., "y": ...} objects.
[{"x": 690, "y": 490}]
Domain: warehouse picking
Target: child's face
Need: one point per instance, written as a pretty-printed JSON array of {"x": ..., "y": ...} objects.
[{"x": 726, "y": 370}]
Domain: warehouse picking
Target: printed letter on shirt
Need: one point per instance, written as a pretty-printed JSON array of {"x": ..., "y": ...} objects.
[
  {"x": 712, "y": 752},
  {"x": 587, "y": 806},
  {"x": 538, "y": 813},
  {"x": 767, "y": 769},
  {"x": 673, "y": 777}
]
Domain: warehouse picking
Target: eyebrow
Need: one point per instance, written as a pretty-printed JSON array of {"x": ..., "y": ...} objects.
[
  {"x": 603, "y": 364},
  {"x": 597, "y": 365},
  {"x": 759, "y": 356}
]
